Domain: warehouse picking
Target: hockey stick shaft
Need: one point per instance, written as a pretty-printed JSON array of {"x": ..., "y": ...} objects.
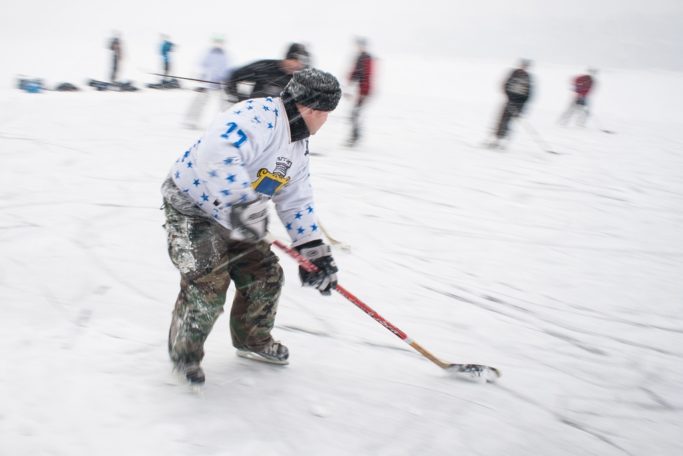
[
  {"x": 310, "y": 267},
  {"x": 327, "y": 234},
  {"x": 186, "y": 79},
  {"x": 535, "y": 135}
]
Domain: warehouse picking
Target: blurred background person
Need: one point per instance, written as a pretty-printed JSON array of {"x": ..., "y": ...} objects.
[
  {"x": 361, "y": 77},
  {"x": 518, "y": 89},
  {"x": 165, "y": 50},
  {"x": 582, "y": 86},
  {"x": 268, "y": 77},
  {"x": 215, "y": 68},
  {"x": 116, "y": 48}
]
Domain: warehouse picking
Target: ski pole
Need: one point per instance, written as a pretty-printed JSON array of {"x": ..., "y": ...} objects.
[{"x": 470, "y": 370}]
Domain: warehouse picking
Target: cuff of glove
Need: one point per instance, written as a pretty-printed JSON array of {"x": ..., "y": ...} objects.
[{"x": 308, "y": 245}]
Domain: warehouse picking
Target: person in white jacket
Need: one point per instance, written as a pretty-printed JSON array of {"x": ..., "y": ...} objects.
[
  {"x": 215, "y": 69},
  {"x": 216, "y": 205}
]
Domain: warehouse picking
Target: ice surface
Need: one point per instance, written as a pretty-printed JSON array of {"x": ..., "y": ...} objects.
[{"x": 562, "y": 270}]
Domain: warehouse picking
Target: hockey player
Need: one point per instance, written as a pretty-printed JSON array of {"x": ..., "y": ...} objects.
[
  {"x": 267, "y": 78},
  {"x": 518, "y": 90},
  {"x": 582, "y": 85},
  {"x": 361, "y": 74},
  {"x": 216, "y": 205},
  {"x": 215, "y": 69}
]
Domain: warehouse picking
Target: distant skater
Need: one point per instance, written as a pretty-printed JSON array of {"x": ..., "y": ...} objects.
[
  {"x": 267, "y": 77},
  {"x": 582, "y": 85},
  {"x": 165, "y": 50},
  {"x": 518, "y": 90},
  {"x": 116, "y": 49},
  {"x": 361, "y": 75},
  {"x": 215, "y": 69}
]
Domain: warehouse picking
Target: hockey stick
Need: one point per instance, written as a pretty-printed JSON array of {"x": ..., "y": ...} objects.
[
  {"x": 599, "y": 125},
  {"x": 536, "y": 136},
  {"x": 186, "y": 79},
  {"x": 468, "y": 370},
  {"x": 332, "y": 240}
]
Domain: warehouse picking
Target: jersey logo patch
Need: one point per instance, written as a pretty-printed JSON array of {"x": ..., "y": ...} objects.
[{"x": 271, "y": 182}]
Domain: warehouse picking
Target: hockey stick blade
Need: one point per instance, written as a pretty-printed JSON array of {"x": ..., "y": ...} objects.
[{"x": 474, "y": 372}]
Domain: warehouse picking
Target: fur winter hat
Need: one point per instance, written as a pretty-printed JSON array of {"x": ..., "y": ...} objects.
[{"x": 314, "y": 88}]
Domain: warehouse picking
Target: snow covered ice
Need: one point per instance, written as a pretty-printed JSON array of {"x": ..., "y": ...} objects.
[{"x": 564, "y": 271}]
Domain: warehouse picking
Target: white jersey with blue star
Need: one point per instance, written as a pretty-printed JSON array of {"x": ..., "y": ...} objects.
[{"x": 247, "y": 152}]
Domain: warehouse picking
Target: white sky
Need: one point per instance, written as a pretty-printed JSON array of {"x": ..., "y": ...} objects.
[{"x": 604, "y": 33}]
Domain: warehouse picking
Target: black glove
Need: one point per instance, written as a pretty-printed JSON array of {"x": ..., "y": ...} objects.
[
  {"x": 249, "y": 220},
  {"x": 325, "y": 279}
]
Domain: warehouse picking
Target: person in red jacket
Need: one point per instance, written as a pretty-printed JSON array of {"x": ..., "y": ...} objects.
[
  {"x": 361, "y": 75},
  {"x": 583, "y": 85}
]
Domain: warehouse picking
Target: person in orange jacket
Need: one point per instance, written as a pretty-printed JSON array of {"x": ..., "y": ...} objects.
[
  {"x": 583, "y": 84},
  {"x": 361, "y": 75}
]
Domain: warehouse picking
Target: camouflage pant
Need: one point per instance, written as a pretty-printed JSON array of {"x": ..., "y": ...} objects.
[{"x": 200, "y": 249}]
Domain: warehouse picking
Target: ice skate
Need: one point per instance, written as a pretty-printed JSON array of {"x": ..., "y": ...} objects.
[
  {"x": 274, "y": 353},
  {"x": 192, "y": 372}
]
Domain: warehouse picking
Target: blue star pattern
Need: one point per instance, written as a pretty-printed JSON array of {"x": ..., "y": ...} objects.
[
  {"x": 219, "y": 171},
  {"x": 302, "y": 225}
]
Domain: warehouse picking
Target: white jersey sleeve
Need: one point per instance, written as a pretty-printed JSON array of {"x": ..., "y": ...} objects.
[{"x": 296, "y": 209}]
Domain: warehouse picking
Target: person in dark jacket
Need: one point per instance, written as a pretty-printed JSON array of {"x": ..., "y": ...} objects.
[
  {"x": 361, "y": 75},
  {"x": 518, "y": 90},
  {"x": 582, "y": 85},
  {"x": 267, "y": 78},
  {"x": 116, "y": 49}
]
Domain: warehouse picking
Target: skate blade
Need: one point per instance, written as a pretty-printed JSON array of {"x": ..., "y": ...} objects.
[{"x": 256, "y": 357}]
